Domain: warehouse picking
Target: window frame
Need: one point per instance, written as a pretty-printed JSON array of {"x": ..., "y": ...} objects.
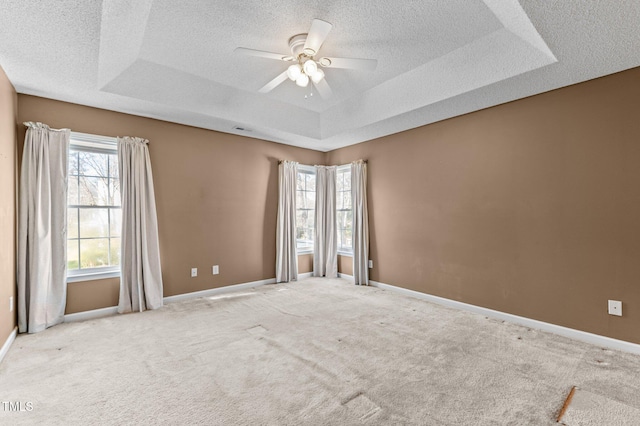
[
  {"x": 100, "y": 145},
  {"x": 310, "y": 170},
  {"x": 345, "y": 168}
]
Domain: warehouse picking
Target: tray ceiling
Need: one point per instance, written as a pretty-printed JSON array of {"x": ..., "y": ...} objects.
[{"x": 175, "y": 61}]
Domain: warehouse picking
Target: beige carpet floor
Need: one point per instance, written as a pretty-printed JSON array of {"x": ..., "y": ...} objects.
[{"x": 315, "y": 352}]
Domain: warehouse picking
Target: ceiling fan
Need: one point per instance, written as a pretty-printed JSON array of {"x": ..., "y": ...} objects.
[{"x": 305, "y": 67}]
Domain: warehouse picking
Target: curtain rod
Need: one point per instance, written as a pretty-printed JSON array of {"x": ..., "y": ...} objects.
[
  {"x": 39, "y": 125},
  {"x": 364, "y": 161},
  {"x": 143, "y": 140}
]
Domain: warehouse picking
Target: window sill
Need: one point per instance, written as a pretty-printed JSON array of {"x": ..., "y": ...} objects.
[
  {"x": 304, "y": 252},
  {"x": 93, "y": 276}
]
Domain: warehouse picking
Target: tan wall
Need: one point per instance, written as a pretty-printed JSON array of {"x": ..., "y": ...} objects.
[
  {"x": 8, "y": 111},
  {"x": 216, "y": 195},
  {"x": 345, "y": 265},
  {"x": 531, "y": 207},
  {"x": 305, "y": 262},
  {"x": 89, "y": 295}
]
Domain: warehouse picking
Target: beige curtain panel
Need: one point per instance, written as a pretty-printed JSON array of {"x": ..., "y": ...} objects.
[
  {"x": 42, "y": 228},
  {"x": 286, "y": 254},
  {"x": 325, "y": 251},
  {"x": 360, "y": 222},
  {"x": 140, "y": 269}
]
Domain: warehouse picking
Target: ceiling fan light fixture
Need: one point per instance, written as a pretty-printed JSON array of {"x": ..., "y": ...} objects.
[
  {"x": 294, "y": 71},
  {"x": 310, "y": 67},
  {"x": 317, "y": 76},
  {"x": 303, "y": 66},
  {"x": 302, "y": 80}
]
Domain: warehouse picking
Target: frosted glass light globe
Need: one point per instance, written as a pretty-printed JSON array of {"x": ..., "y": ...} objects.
[
  {"x": 293, "y": 72},
  {"x": 317, "y": 76},
  {"x": 310, "y": 67},
  {"x": 302, "y": 80}
]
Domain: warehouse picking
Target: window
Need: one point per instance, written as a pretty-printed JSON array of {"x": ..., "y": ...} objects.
[
  {"x": 305, "y": 208},
  {"x": 344, "y": 213},
  {"x": 93, "y": 208}
]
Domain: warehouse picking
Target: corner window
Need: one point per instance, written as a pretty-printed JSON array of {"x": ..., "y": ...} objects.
[
  {"x": 305, "y": 208},
  {"x": 94, "y": 214},
  {"x": 344, "y": 212}
]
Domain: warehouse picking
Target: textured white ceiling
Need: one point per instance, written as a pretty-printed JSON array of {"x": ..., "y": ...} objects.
[{"x": 436, "y": 59}]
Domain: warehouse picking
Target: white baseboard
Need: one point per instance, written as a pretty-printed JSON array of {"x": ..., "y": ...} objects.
[
  {"x": 216, "y": 291},
  {"x": 571, "y": 333},
  {"x": 305, "y": 275},
  {"x": 105, "y": 312},
  {"x": 310, "y": 274},
  {"x": 7, "y": 343},
  {"x": 93, "y": 314}
]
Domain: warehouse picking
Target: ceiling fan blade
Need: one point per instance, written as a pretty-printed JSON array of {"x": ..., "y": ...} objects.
[
  {"x": 317, "y": 34},
  {"x": 260, "y": 53},
  {"x": 324, "y": 89},
  {"x": 274, "y": 83},
  {"x": 351, "y": 63}
]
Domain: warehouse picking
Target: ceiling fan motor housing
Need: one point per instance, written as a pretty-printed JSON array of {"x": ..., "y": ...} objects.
[{"x": 296, "y": 44}]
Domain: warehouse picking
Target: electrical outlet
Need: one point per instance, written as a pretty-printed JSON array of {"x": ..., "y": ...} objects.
[
  {"x": 615, "y": 307},
  {"x": 194, "y": 272},
  {"x": 10, "y": 303},
  {"x": 370, "y": 264},
  {"x": 215, "y": 269}
]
